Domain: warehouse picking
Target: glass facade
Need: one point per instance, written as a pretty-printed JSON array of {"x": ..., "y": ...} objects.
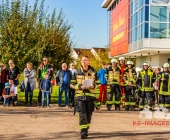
[
  {"x": 149, "y": 21},
  {"x": 139, "y": 18},
  {"x": 159, "y": 22}
]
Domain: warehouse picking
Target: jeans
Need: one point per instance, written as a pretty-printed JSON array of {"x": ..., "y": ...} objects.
[
  {"x": 66, "y": 89},
  {"x": 6, "y": 101},
  {"x": 28, "y": 90},
  {"x": 47, "y": 94}
]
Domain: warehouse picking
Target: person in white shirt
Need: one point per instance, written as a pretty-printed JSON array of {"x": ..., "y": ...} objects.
[{"x": 13, "y": 93}]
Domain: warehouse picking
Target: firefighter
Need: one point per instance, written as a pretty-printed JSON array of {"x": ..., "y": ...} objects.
[
  {"x": 85, "y": 96},
  {"x": 114, "y": 96},
  {"x": 146, "y": 79},
  {"x": 122, "y": 67},
  {"x": 130, "y": 77},
  {"x": 164, "y": 91}
]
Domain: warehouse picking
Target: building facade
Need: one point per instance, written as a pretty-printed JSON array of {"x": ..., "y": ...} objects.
[{"x": 140, "y": 29}]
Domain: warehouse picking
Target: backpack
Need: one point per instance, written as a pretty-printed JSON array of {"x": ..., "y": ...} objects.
[{"x": 22, "y": 86}]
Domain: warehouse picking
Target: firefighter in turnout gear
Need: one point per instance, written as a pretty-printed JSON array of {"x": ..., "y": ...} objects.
[
  {"x": 164, "y": 91},
  {"x": 114, "y": 96},
  {"x": 85, "y": 96},
  {"x": 130, "y": 77},
  {"x": 145, "y": 81},
  {"x": 122, "y": 67}
]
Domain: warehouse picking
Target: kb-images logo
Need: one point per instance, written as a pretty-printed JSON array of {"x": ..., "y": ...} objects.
[{"x": 146, "y": 114}]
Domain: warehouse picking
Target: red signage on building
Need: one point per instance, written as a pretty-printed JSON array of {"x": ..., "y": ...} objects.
[{"x": 119, "y": 29}]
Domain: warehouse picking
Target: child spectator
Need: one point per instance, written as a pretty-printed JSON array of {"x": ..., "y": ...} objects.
[
  {"x": 103, "y": 81},
  {"x": 6, "y": 93},
  {"x": 45, "y": 87},
  {"x": 12, "y": 95}
]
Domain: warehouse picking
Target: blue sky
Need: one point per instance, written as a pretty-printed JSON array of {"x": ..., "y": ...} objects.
[{"x": 88, "y": 18}]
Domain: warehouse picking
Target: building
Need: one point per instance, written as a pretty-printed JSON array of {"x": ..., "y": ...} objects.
[
  {"x": 76, "y": 52},
  {"x": 140, "y": 29}
]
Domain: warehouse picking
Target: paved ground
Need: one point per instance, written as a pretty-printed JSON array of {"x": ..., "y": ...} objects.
[{"x": 30, "y": 123}]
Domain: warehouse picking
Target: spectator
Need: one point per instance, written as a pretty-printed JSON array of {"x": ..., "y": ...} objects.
[
  {"x": 13, "y": 93},
  {"x": 45, "y": 87},
  {"x": 13, "y": 73},
  {"x": 109, "y": 65},
  {"x": 44, "y": 68},
  {"x": 73, "y": 81},
  {"x": 156, "y": 85},
  {"x": 6, "y": 93},
  {"x": 63, "y": 81},
  {"x": 103, "y": 81},
  {"x": 29, "y": 82},
  {"x": 3, "y": 73}
]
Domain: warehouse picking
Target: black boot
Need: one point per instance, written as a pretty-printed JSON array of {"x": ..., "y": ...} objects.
[
  {"x": 140, "y": 109},
  {"x": 109, "y": 107},
  {"x": 83, "y": 133},
  {"x": 117, "y": 107},
  {"x": 126, "y": 108}
]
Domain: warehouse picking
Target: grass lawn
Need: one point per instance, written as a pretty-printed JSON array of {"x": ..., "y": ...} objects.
[{"x": 54, "y": 95}]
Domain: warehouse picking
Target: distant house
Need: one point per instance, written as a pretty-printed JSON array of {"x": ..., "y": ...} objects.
[{"x": 90, "y": 52}]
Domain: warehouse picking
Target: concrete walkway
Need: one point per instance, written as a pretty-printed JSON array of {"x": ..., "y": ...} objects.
[{"x": 28, "y": 123}]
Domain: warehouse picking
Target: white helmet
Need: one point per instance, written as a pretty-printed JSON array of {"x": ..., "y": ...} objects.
[
  {"x": 129, "y": 62},
  {"x": 114, "y": 60},
  {"x": 146, "y": 63},
  {"x": 166, "y": 65},
  {"x": 121, "y": 58}
]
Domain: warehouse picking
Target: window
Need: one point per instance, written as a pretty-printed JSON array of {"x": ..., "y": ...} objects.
[
  {"x": 146, "y": 13},
  {"x": 160, "y": 13},
  {"x": 160, "y": 30},
  {"x": 146, "y": 1},
  {"x": 146, "y": 30}
]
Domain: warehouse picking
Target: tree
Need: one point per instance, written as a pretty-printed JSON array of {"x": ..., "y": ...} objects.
[
  {"x": 27, "y": 34},
  {"x": 95, "y": 60}
]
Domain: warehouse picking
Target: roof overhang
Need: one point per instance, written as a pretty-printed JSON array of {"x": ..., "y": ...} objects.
[
  {"x": 106, "y": 3},
  {"x": 145, "y": 52}
]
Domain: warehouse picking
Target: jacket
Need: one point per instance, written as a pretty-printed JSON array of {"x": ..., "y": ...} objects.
[
  {"x": 102, "y": 76},
  {"x": 60, "y": 77},
  {"x": 29, "y": 77},
  {"x": 114, "y": 75},
  {"x": 146, "y": 79},
  {"x": 130, "y": 75},
  {"x": 48, "y": 68},
  {"x": 164, "y": 84},
  {"x": 45, "y": 85},
  {"x": 86, "y": 94}
]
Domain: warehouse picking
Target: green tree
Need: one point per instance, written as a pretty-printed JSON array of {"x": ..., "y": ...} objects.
[
  {"x": 27, "y": 34},
  {"x": 95, "y": 60}
]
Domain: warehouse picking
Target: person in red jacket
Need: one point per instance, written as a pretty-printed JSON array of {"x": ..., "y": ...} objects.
[
  {"x": 3, "y": 73},
  {"x": 122, "y": 67}
]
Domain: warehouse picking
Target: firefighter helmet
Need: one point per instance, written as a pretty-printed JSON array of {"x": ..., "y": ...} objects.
[
  {"x": 146, "y": 63},
  {"x": 121, "y": 58},
  {"x": 165, "y": 65},
  {"x": 129, "y": 62},
  {"x": 114, "y": 60}
]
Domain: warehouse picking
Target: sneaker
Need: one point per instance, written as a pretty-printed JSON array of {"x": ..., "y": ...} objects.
[
  {"x": 59, "y": 105},
  {"x": 48, "y": 107},
  {"x": 15, "y": 103},
  {"x": 42, "y": 106}
]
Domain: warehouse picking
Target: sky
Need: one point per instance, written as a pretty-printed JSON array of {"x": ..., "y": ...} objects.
[{"x": 88, "y": 18}]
